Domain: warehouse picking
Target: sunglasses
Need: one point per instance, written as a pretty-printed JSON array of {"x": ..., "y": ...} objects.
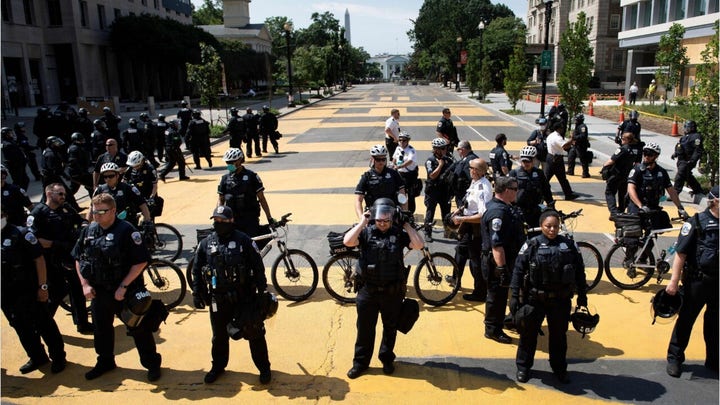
[
  {"x": 649, "y": 153},
  {"x": 380, "y": 159},
  {"x": 110, "y": 176},
  {"x": 60, "y": 193},
  {"x": 101, "y": 212},
  {"x": 512, "y": 188}
]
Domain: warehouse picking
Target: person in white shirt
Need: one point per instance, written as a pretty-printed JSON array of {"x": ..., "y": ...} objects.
[
  {"x": 555, "y": 165},
  {"x": 633, "y": 92},
  {"x": 392, "y": 131},
  {"x": 404, "y": 160}
]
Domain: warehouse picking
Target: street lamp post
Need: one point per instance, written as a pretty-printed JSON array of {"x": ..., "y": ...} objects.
[
  {"x": 459, "y": 64},
  {"x": 288, "y": 29},
  {"x": 548, "y": 15},
  {"x": 481, "y": 93}
]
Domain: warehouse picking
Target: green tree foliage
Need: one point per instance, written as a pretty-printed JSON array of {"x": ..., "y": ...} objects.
[
  {"x": 498, "y": 41},
  {"x": 672, "y": 54},
  {"x": 705, "y": 101},
  {"x": 516, "y": 75},
  {"x": 243, "y": 64},
  {"x": 210, "y": 13},
  {"x": 206, "y": 75},
  {"x": 574, "y": 79}
]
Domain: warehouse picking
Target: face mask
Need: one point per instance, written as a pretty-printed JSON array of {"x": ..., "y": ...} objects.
[
  {"x": 231, "y": 168},
  {"x": 542, "y": 127},
  {"x": 223, "y": 228},
  {"x": 122, "y": 215},
  {"x": 4, "y": 222}
]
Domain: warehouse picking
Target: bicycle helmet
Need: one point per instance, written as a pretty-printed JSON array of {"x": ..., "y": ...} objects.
[
  {"x": 233, "y": 154},
  {"x": 652, "y": 146},
  {"x": 77, "y": 137},
  {"x": 439, "y": 143},
  {"x": 665, "y": 306},
  {"x": 135, "y": 158},
  {"x": 528, "y": 152},
  {"x": 378, "y": 150},
  {"x": 690, "y": 126},
  {"x": 584, "y": 321},
  {"x": 54, "y": 141},
  {"x": 109, "y": 167},
  {"x": 404, "y": 135}
]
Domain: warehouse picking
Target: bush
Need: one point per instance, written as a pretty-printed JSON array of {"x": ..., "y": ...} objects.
[
  {"x": 304, "y": 101},
  {"x": 320, "y": 96},
  {"x": 216, "y": 131}
]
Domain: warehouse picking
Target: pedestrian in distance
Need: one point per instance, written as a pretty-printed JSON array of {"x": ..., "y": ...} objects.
[
  {"x": 252, "y": 134},
  {"x": 268, "y": 125},
  {"x": 229, "y": 277},
  {"x": 696, "y": 264},
  {"x": 184, "y": 115},
  {"x": 198, "y": 136},
  {"x": 650, "y": 95},
  {"x": 392, "y": 131},
  {"x": 381, "y": 236},
  {"x": 548, "y": 271},
  {"x": 633, "y": 93},
  {"x": 554, "y": 164},
  {"x": 236, "y": 129}
]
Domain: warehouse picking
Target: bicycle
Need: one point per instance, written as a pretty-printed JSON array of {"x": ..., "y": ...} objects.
[
  {"x": 591, "y": 255},
  {"x": 294, "y": 274},
  {"x": 630, "y": 267},
  {"x": 164, "y": 241},
  {"x": 429, "y": 280}
]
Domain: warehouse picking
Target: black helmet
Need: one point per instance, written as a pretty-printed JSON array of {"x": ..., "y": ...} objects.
[
  {"x": 161, "y": 117},
  {"x": 19, "y": 126},
  {"x": 561, "y": 106},
  {"x": 99, "y": 123},
  {"x": 583, "y": 321},
  {"x": 542, "y": 121},
  {"x": 527, "y": 319},
  {"x": 448, "y": 222},
  {"x": 690, "y": 126},
  {"x": 183, "y": 103},
  {"x": 634, "y": 115},
  {"x": 579, "y": 117},
  {"x": 77, "y": 137},
  {"x": 266, "y": 108},
  {"x": 383, "y": 208},
  {"x": 6, "y": 131},
  {"x": 233, "y": 110},
  {"x": 106, "y": 109},
  {"x": 54, "y": 141},
  {"x": 267, "y": 305},
  {"x": 144, "y": 116},
  {"x": 665, "y": 306},
  {"x": 83, "y": 112},
  {"x": 196, "y": 113},
  {"x": 132, "y": 122},
  {"x": 135, "y": 308}
]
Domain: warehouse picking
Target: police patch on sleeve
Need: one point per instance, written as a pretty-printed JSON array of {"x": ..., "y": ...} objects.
[
  {"x": 30, "y": 221},
  {"x": 697, "y": 142},
  {"x": 496, "y": 224},
  {"x": 30, "y": 238},
  {"x": 632, "y": 173},
  {"x": 137, "y": 238},
  {"x": 523, "y": 248},
  {"x": 135, "y": 190},
  {"x": 686, "y": 228}
]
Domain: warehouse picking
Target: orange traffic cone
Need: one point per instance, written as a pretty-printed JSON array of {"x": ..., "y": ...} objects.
[
  {"x": 674, "y": 130},
  {"x": 620, "y": 97},
  {"x": 537, "y": 98},
  {"x": 622, "y": 115},
  {"x": 594, "y": 98},
  {"x": 557, "y": 101},
  {"x": 591, "y": 111}
]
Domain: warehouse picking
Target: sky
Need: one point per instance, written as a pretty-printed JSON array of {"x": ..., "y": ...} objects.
[{"x": 379, "y": 26}]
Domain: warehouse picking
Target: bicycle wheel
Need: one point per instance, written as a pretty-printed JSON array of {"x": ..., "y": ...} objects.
[
  {"x": 593, "y": 264},
  {"x": 430, "y": 281},
  {"x": 621, "y": 270},
  {"x": 337, "y": 277},
  {"x": 166, "y": 282},
  {"x": 168, "y": 242},
  {"x": 298, "y": 276}
]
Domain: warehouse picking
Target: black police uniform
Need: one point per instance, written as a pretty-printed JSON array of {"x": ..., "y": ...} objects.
[
  {"x": 159, "y": 130},
  {"x": 533, "y": 188},
  {"x": 150, "y": 140},
  {"x": 558, "y": 114},
  {"x": 698, "y": 239},
  {"x": 78, "y": 168},
  {"x": 143, "y": 178},
  {"x": 184, "y": 115},
  {"x": 580, "y": 151},
  {"x": 62, "y": 227},
  {"x": 28, "y": 150},
  {"x": 616, "y": 177},
  {"x": 228, "y": 275},
  {"x": 53, "y": 171},
  {"x": 119, "y": 159},
  {"x": 105, "y": 257},
  {"x": 84, "y": 125},
  {"x": 437, "y": 191},
  {"x": 546, "y": 274},
  {"x": 128, "y": 200},
  {"x": 30, "y": 318},
  {"x": 499, "y": 158},
  {"x": 198, "y": 135},
  {"x": 461, "y": 168},
  {"x": 382, "y": 280},
  {"x": 251, "y": 134},
  {"x": 446, "y": 127},
  {"x": 15, "y": 161},
  {"x": 236, "y": 129},
  {"x": 688, "y": 152},
  {"x": 501, "y": 226},
  {"x": 268, "y": 125},
  {"x": 14, "y": 201},
  {"x": 132, "y": 140},
  {"x": 650, "y": 185},
  {"x": 42, "y": 126},
  {"x": 112, "y": 123},
  {"x": 374, "y": 185},
  {"x": 97, "y": 143},
  {"x": 632, "y": 126},
  {"x": 173, "y": 154},
  {"x": 239, "y": 189},
  {"x": 542, "y": 149}
]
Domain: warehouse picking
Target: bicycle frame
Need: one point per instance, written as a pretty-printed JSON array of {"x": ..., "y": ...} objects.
[{"x": 659, "y": 254}]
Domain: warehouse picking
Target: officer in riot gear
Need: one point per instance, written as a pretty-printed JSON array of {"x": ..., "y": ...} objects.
[
  {"x": 112, "y": 123},
  {"x": 630, "y": 125},
  {"x": 229, "y": 277},
  {"x": 533, "y": 187},
  {"x": 251, "y": 121},
  {"x": 236, "y": 129},
  {"x": 97, "y": 139},
  {"x": 52, "y": 168},
  {"x": 42, "y": 126},
  {"x": 268, "y": 124},
  {"x": 79, "y": 164},
  {"x": 173, "y": 154},
  {"x": 559, "y": 115},
  {"x": 379, "y": 181},
  {"x": 688, "y": 152},
  {"x": 243, "y": 191},
  {"x": 549, "y": 270},
  {"x": 24, "y": 296},
  {"x": 382, "y": 277},
  {"x": 696, "y": 264},
  {"x": 150, "y": 138},
  {"x": 579, "y": 149},
  {"x": 27, "y": 149},
  {"x": 615, "y": 173},
  {"x": 132, "y": 137},
  {"x": 198, "y": 136},
  {"x": 110, "y": 257},
  {"x": 14, "y": 158},
  {"x": 14, "y": 200},
  {"x": 184, "y": 115},
  {"x": 83, "y": 124},
  {"x": 160, "y": 127}
]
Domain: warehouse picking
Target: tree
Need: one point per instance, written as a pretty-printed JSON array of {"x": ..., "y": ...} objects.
[
  {"x": 672, "y": 58},
  {"x": 516, "y": 75},
  {"x": 206, "y": 75},
  {"x": 574, "y": 79},
  {"x": 210, "y": 13}
]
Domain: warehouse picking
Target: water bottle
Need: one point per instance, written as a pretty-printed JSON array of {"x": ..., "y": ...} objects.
[
  {"x": 663, "y": 198},
  {"x": 400, "y": 159},
  {"x": 672, "y": 248},
  {"x": 213, "y": 282}
]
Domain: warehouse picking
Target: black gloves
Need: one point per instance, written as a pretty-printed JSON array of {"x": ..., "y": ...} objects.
[
  {"x": 198, "y": 302},
  {"x": 582, "y": 300},
  {"x": 683, "y": 214},
  {"x": 514, "y": 304}
]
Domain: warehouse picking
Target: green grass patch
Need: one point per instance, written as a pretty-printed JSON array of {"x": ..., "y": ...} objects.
[{"x": 512, "y": 112}]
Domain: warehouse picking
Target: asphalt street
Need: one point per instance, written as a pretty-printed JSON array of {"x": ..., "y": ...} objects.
[{"x": 445, "y": 357}]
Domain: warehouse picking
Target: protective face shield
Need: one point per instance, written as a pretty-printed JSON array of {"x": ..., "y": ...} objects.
[
  {"x": 382, "y": 213},
  {"x": 665, "y": 307}
]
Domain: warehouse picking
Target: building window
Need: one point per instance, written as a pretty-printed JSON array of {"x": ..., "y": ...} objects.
[
  {"x": 6, "y": 10},
  {"x": 143, "y": 2},
  {"x": 615, "y": 22},
  {"x": 84, "y": 14},
  {"x": 29, "y": 10},
  {"x": 54, "y": 12},
  {"x": 698, "y": 8},
  {"x": 679, "y": 13},
  {"x": 101, "y": 16},
  {"x": 156, "y": 4},
  {"x": 117, "y": 13},
  {"x": 632, "y": 13},
  {"x": 617, "y": 59}
]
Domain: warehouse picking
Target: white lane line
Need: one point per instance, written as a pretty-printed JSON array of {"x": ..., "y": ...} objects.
[{"x": 471, "y": 128}]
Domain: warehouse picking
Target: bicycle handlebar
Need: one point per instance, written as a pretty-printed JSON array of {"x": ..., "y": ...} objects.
[
  {"x": 282, "y": 222},
  {"x": 573, "y": 214}
]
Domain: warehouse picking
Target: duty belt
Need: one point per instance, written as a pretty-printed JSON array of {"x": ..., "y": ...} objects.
[
  {"x": 389, "y": 288},
  {"x": 555, "y": 157}
]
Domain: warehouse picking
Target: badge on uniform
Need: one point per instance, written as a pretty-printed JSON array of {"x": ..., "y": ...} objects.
[
  {"x": 563, "y": 246},
  {"x": 6, "y": 193},
  {"x": 496, "y": 224},
  {"x": 7, "y": 242},
  {"x": 232, "y": 244},
  {"x": 136, "y": 237},
  {"x": 686, "y": 228},
  {"x": 632, "y": 173},
  {"x": 135, "y": 190},
  {"x": 245, "y": 178},
  {"x": 30, "y": 237},
  {"x": 30, "y": 220},
  {"x": 120, "y": 193}
]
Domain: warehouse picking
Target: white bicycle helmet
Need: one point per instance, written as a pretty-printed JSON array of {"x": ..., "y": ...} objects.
[
  {"x": 233, "y": 154},
  {"x": 439, "y": 143},
  {"x": 378, "y": 150},
  {"x": 135, "y": 158},
  {"x": 653, "y": 147},
  {"x": 404, "y": 135},
  {"x": 109, "y": 167},
  {"x": 528, "y": 151}
]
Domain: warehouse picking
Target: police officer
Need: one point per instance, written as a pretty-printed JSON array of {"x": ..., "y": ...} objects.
[
  {"x": 79, "y": 164},
  {"x": 437, "y": 188},
  {"x": 83, "y": 124},
  {"x": 110, "y": 258},
  {"x": 533, "y": 187},
  {"x": 461, "y": 170},
  {"x": 446, "y": 129},
  {"x": 404, "y": 160},
  {"x": 14, "y": 200},
  {"x": 242, "y": 190},
  {"x": 468, "y": 218},
  {"x": 25, "y": 298},
  {"x": 554, "y": 165},
  {"x": 615, "y": 172},
  {"x": 500, "y": 159},
  {"x": 537, "y": 139},
  {"x": 173, "y": 154},
  {"x": 381, "y": 279},
  {"x": 150, "y": 138},
  {"x": 97, "y": 139},
  {"x": 112, "y": 155},
  {"x": 142, "y": 175},
  {"x": 236, "y": 129},
  {"x": 629, "y": 125},
  {"x": 15, "y": 159},
  {"x": 53, "y": 163},
  {"x": 579, "y": 149},
  {"x": 228, "y": 276},
  {"x": 127, "y": 198},
  {"x": 268, "y": 125},
  {"x": 379, "y": 181},
  {"x": 27, "y": 149},
  {"x": 198, "y": 135},
  {"x": 696, "y": 262},
  {"x": 392, "y": 131},
  {"x": 42, "y": 126},
  {"x": 548, "y": 270},
  {"x": 160, "y": 127},
  {"x": 251, "y": 133},
  {"x": 112, "y": 123},
  {"x": 688, "y": 152},
  {"x": 559, "y": 115},
  {"x": 132, "y": 138},
  {"x": 184, "y": 115},
  {"x": 57, "y": 227},
  {"x": 63, "y": 119},
  {"x": 502, "y": 235}
]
